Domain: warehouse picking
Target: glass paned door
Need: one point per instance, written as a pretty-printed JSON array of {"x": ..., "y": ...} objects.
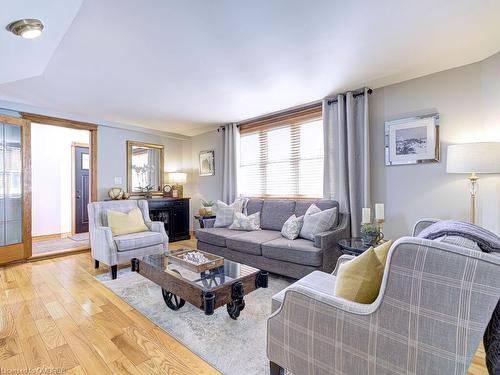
[{"x": 14, "y": 203}]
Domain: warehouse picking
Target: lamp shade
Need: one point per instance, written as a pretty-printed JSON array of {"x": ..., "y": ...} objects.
[
  {"x": 179, "y": 178},
  {"x": 481, "y": 157}
]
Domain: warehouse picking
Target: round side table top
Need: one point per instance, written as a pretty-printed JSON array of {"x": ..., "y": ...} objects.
[
  {"x": 352, "y": 246},
  {"x": 204, "y": 217}
]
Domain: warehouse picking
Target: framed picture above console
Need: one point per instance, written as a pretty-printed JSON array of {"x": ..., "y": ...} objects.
[{"x": 412, "y": 140}]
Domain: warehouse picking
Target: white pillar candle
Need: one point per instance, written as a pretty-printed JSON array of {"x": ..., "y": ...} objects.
[
  {"x": 379, "y": 211},
  {"x": 366, "y": 216}
]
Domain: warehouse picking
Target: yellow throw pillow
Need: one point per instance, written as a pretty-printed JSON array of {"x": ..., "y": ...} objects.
[
  {"x": 125, "y": 223},
  {"x": 359, "y": 279},
  {"x": 382, "y": 250}
]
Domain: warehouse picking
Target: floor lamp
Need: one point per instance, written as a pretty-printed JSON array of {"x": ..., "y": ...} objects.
[{"x": 474, "y": 159}]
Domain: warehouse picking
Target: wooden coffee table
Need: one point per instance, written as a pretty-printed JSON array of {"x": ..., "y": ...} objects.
[{"x": 225, "y": 285}]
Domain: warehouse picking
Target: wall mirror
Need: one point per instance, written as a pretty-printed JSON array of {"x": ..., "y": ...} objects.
[{"x": 144, "y": 168}]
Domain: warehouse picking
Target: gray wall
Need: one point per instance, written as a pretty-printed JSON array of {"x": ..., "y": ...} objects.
[
  {"x": 205, "y": 187},
  {"x": 468, "y": 101},
  {"x": 112, "y": 155}
]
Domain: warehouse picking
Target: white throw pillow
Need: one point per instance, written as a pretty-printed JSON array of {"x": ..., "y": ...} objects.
[
  {"x": 244, "y": 222},
  {"x": 225, "y": 213},
  {"x": 317, "y": 221},
  {"x": 292, "y": 227}
]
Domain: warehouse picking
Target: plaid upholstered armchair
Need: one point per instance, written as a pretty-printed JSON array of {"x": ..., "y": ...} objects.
[{"x": 434, "y": 304}]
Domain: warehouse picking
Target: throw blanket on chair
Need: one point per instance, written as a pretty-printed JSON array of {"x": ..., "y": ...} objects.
[{"x": 487, "y": 242}]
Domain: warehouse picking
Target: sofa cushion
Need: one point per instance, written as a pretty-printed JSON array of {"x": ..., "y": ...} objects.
[
  {"x": 253, "y": 206},
  {"x": 320, "y": 281},
  {"x": 131, "y": 241},
  {"x": 323, "y": 204},
  {"x": 215, "y": 236},
  {"x": 275, "y": 213},
  {"x": 298, "y": 251},
  {"x": 251, "y": 242}
]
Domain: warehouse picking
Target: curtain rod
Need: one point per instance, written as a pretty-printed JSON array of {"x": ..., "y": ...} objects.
[
  {"x": 356, "y": 94},
  {"x": 297, "y": 108}
]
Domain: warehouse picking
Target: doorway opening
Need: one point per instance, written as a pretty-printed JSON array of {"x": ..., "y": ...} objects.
[{"x": 61, "y": 188}]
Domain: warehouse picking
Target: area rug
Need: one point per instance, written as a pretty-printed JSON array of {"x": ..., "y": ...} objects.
[{"x": 234, "y": 347}]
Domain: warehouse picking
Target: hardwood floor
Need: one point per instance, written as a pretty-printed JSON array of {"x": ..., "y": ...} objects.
[{"x": 54, "y": 314}]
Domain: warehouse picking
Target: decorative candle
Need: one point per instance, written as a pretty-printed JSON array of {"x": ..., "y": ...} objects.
[
  {"x": 379, "y": 212},
  {"x": 366, "y": 216}
]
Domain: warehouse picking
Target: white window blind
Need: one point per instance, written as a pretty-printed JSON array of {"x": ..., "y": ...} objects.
[{"x": 282, "y": 161}]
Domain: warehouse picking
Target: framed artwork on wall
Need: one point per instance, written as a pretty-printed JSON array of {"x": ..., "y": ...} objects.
[
  {"x": 412, "y": 140},
  {"x": 207, "y": 163}
]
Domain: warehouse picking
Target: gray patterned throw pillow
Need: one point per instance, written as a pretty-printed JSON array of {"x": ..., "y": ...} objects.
[
  {"x": 317, "y": 221},
  {"x": 244, "y": 222},
  {"x": 225, "y": 213},
  {"x": 292, "y": 227}
]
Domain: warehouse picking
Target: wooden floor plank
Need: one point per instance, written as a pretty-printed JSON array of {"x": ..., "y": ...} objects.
[
  {"x": 63, "y": 357},
  {"x": 35, "y": 353}
]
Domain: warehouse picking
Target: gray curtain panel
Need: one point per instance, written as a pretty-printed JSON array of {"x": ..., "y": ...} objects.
[
  {"x": 230, "y": 162},
  {"x": 347, "y": 154}
]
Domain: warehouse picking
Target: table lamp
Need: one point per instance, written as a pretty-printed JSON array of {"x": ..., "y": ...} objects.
[
  {"x": 177, "y": 179},
  {"x": 473, "y": 158}
]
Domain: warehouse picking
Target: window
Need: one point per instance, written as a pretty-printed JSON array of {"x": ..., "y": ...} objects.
[{"x": 283, "y": 159}]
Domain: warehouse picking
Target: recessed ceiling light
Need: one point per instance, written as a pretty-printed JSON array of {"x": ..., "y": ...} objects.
[{"x": 27, "y": 28}]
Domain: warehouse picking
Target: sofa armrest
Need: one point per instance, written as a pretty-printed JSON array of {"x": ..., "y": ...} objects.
[
  {"x": 327, "y": 241},
  {"x": 103, "y": 247},
  {"x": 159, "y": 226}
]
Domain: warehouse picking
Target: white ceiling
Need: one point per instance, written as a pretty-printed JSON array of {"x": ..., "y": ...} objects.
[{"x": 183, "y": 66}]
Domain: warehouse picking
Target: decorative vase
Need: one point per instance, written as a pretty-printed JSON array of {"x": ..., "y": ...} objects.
[
  {"x": 370, "y": 239},
  {"x": 115, "y": 193},
  {"x": 202, "y": 211},
  {"x": 125, "y": 195}
]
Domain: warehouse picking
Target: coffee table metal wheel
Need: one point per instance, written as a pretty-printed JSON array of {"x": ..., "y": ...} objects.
[{"x": 172, "y": 301}]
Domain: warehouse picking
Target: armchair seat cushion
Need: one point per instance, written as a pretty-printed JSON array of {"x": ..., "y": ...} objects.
[
  {"x": 215, "y": 236},
  {"x": 319, "y": 281},
  {"x": 126, "y": 242},
  {"x": 298, "y": 251},
  {"x": 250, "y": 242}
]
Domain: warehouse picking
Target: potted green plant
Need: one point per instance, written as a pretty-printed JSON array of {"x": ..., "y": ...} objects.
[
  {"x": 206, "y": 207},
  {"x": 371, "y": 234}
]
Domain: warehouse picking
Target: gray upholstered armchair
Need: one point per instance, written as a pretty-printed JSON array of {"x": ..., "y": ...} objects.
[
  {"x": 113, "y": 250},
  {"x": 434, "y": 304}
]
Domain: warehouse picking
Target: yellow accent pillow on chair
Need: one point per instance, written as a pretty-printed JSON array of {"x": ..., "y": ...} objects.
[
  {"x": 359, "y": 279},
  {"x": 382, "y": 250},
  {"x": 125, "y": 223}
]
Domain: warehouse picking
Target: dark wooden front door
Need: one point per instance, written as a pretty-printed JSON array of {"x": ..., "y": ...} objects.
[{"x": 82, "y": 188}]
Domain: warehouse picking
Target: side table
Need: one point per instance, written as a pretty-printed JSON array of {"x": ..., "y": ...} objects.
[
  {"x": 354, "y": 246},
  {"x": 205, "y": 221}
]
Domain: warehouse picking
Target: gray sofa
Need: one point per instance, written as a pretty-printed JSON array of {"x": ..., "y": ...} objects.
[{"x": 266, "y": 249}]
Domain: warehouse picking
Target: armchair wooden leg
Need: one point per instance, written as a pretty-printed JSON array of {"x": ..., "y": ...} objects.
[
  {"x": 96, "y": 264},
  {"x": 274, "y": 369},
  {"x": 114, "y": 271}
]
